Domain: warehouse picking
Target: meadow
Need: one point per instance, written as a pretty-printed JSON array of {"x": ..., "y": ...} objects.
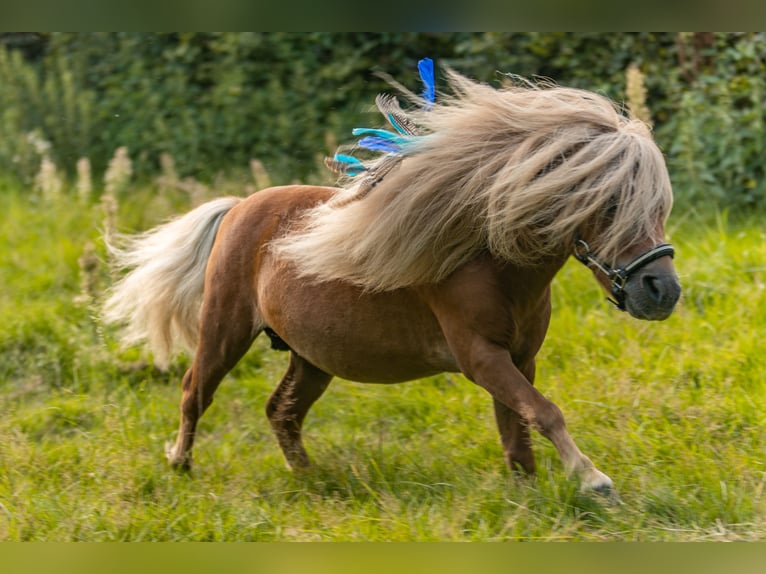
[{"x": 674, "y": 412}]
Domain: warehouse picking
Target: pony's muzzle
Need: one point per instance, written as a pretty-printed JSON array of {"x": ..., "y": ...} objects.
[
  {"x": 652, "y": 296},
  {"x": 662, "y": 292}
]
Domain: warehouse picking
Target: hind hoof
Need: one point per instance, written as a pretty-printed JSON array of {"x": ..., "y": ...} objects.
[
  {"x": 180, "y": 463},
  {"x": 299, "y": 466}
]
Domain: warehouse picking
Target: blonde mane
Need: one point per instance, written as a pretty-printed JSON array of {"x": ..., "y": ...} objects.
[{"x": 516, "y": 171}]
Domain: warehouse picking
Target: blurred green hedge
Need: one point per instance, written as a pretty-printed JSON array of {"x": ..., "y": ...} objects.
[{"x": 214, "y": 101}]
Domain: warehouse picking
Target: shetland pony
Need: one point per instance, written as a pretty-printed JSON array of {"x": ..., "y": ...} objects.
[{"x": 441, "y": 263}]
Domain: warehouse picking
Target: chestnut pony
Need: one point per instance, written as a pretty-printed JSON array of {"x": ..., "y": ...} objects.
[{"x": 443, "y": 265}]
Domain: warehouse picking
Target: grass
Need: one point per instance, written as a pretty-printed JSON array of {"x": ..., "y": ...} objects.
[{"x": 674, "y": 412}]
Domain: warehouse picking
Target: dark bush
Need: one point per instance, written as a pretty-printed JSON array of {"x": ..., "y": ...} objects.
[{"x": 214, "y": 101}]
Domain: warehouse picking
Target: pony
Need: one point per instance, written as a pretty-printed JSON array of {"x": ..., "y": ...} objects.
[{"x": 438, "y": 257}]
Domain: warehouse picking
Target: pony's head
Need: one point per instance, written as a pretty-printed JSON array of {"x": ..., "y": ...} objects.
[
  {"x": 622, "y": 240},
  {"x": 643, "y": 282}
]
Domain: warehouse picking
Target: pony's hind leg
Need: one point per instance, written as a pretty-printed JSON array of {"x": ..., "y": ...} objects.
[
  {"x": 226, "y": 333},
  {"x": 301, "y": 386}
]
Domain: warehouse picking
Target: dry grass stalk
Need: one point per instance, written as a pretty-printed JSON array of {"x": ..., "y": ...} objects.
[
  {"x": 260, "y": 175},
  {"x": 635, "y": 93},
  {"x": 84, "y": 179},
  {"x": 48, "y": 181},
  {"x": 119, "y": 171},
  {"x": 88, "y": 264}
]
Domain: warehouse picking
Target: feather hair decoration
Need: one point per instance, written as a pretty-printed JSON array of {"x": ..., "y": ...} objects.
[
  {"x": 345, "y": 164},
  {"x": 385, "y": 134},
  {"x": 396, "y": 144},
  {"x": 375, "y": 143},
  {"x": 426, "y": 70},
  {"x": 392, "y": 111},
  {"x": 381, "y": 140}
]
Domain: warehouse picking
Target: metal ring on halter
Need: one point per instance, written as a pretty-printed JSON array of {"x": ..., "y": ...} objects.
[{"x": 619, "y": 277}]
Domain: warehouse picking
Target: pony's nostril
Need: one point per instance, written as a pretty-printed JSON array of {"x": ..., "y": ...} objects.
[{"x": 653, "y": 287}]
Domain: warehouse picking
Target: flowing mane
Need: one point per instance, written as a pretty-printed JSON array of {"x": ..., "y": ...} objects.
[{"x": 516, "y": 171}]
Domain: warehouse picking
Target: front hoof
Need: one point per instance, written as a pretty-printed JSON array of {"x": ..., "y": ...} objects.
[
  {"x": 599, "y": 484},
  {"x": 607, "y": 494}
]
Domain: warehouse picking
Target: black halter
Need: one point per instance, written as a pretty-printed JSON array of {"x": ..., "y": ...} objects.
[{"x": 619, "y": 276}]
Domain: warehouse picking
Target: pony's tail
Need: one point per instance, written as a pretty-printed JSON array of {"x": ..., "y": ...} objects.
[{"x": 158, "y": 300}]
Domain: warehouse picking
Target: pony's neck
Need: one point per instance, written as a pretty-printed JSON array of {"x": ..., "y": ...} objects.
[{"x": 528, "y": 286}]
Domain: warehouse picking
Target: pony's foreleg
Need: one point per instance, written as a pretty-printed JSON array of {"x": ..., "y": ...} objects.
[
  {"x": 514, "y": 430},
  {"x": 514, "y": 436},
  {"x": 491, "y": 367},
  {"x": 226, "y": 333},
  {"x": 301, "y": 386}
]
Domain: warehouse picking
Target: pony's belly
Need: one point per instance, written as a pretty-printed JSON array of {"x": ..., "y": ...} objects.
[
  {"x": 375, "y": 350},
  {"x": 379, "y": 337},
  {"x": 367, "y": 364},
  {"x": 377, "y": 376}
]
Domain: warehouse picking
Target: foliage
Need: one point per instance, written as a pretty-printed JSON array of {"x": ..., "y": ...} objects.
[
  {"x": 216, "y": 101},
  {"x": 673, "y": 411},
  {"x": 704, "y": 92},
  {"x": 38, "y": 110},
  {"x": 716, "y": 140}
]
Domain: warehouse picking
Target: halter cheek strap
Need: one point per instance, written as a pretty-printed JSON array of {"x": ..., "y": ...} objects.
[{"x": 619, "y": 276}]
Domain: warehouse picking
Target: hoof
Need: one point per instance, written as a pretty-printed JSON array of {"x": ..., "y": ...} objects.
[
  {"x": 601, "y": 486},
  {"x": 297, "y": 460},
  {"x": 520, "y": 475},
  {"x": 522, "y": 468},
  {"x": 299, "y": 467},
  {"x": 607, "y": 494},
  {"x": 178, "y": 463},
  {"x": 593, "y": 480}
]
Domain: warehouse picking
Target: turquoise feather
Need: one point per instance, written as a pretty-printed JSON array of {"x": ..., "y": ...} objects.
[{"x": 385, "y": 134}]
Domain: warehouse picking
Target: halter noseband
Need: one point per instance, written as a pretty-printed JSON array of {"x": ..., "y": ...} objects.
[{"x": 619, "y": 276}]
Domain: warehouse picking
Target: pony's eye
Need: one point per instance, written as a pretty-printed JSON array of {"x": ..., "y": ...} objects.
[{"x": 611, "y": 209}]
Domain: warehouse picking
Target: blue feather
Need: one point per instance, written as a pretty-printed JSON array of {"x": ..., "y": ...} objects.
[
  {"x": 379, "y": 144},
  {"x": 426, "y": 69}
]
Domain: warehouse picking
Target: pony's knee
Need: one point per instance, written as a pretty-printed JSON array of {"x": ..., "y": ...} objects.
[{"x": 547, "y": 420}]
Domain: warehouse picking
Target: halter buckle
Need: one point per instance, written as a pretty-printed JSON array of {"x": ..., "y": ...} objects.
[
  {"x": 582, "y": 257},
  {"x": 619, "y": 278}
]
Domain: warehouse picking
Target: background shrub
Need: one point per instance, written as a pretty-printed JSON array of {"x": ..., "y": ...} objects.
[{"x": 215, "y": 101}]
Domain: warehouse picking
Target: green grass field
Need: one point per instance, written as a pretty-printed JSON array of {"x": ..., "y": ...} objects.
[{"x": 674, "y": 412}]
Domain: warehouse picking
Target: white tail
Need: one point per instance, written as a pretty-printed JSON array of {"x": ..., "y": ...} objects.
[{"x": 159, "y": 299}]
